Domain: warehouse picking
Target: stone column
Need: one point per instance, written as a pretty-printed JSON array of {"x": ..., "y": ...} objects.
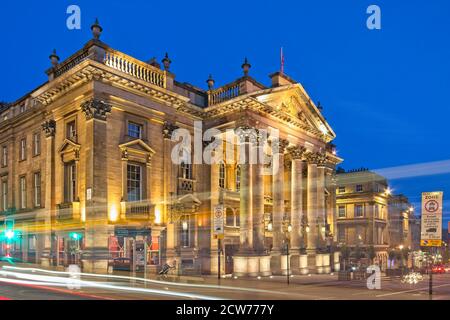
[
  {"x": 97, "y": 230},
  {"x": 296, "y": 205},
  {"x": 278, "y": 148},
  {"x": 245, "y": 210},
  {"x": 258, "y": 199},
  {"x": 168, "y": 194},
  {"x": 49, "y": 128},
  {"x": 321, "y": 204},
  {"x": 312, "y": 235}
]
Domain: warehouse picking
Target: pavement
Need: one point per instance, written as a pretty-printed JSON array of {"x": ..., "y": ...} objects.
[{"x": 22, "y": 283}]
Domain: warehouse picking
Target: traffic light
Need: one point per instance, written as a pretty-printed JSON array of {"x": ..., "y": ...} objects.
[
  {"x": 75, "y": 236},
  {"x": 9, "y": 234}
]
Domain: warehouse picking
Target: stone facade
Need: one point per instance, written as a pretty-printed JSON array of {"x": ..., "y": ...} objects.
[{"x": 108, "y": 187}]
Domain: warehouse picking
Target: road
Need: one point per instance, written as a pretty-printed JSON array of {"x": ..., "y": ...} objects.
[{"x": 19, "y": 283}]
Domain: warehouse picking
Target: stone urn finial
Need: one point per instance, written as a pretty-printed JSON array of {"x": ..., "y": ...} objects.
[
  {"x": 166, "y": 62},
  {"x": 246, "y": 67},
  {"x": 210, "y": 82},
  {"x": 96, "y": 29},
  {"x": 54, "y": 58}
]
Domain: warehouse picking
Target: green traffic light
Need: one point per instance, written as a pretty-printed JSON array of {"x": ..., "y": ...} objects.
[
  {"x": 9, "y": 234},
  {"x": 75, "y": 236}
]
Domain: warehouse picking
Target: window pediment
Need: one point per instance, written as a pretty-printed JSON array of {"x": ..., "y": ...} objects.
[
  {"x": 69, "y": 150},
  {"x": 137, "y": 150}
]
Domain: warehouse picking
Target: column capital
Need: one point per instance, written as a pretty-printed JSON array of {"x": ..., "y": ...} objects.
[
  {"x": 49, "y": 128},
  {"x": 279, "y": 145},
  {"x": 297, "y": 152},
  {"x": 95, "y": 109},
  {"x": 247, "y": 134},
  {"x": 317, "y": 158},
  {"x": 168, "y": 128}
]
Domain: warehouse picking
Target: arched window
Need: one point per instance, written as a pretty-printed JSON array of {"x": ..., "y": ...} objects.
[
  {"x": 238, "y": 178},
  {"x": 222, "y": 175},
  {"x": 185, "y": 170}
]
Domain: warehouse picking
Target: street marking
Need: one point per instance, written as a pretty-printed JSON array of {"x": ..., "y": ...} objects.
[{"x": 412, "y": 290}]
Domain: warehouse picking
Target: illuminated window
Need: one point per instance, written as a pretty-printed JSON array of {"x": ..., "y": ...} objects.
[
  {"x": 22, "y": 193},
  {"x": 37, "y": 189},
  {"x": 359, "y": 188},
  {"x": 186, "y": 170},
  {"x": 359, "y": 211},
  {"x": 222, "y": 175},
  {"x": 185, "y": 226},
  {"x": 70, "y": 182},
  {"x": 238, "y": 178},
  {"x": 341, "y": 211},
  {"x": 134, "y": 182},
  {"x": 341, "y": 190},
  {"x": 71, "y": 130},
  {"x": 134, "y": 130}
]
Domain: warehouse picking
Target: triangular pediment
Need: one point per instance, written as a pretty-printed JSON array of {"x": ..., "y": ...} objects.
[
  {"x": 188, "y": 199},
  {"x": 68, "y": 145},
  {"x": 292, "y": 103},
  {"x": 137, "y": 145}
]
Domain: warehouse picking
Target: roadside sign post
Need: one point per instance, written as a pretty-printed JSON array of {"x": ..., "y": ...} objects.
[
  {"x": 219, "y": 233},
  {"x": 431, "y": 228}
]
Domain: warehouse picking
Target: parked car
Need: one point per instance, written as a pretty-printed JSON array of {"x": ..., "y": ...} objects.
[{"x": 438, "y": 269}]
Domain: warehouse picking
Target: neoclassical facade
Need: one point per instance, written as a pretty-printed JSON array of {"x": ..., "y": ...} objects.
[{"x": 88, "y": 175}]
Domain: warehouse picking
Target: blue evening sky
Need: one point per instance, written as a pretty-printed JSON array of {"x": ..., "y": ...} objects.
[{"x": 385, "y": 92}]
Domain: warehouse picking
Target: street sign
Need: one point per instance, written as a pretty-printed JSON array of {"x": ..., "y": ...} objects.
[
  {"x": 218, "y": 220},
  {"x": 431, "y": 230}
]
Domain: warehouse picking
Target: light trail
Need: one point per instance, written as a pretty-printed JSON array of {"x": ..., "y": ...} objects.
[
  {"x": 34, "y": 279},
  {"x": 159, "y": 282}
]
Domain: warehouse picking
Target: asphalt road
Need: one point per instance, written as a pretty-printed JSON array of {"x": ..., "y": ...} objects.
[{"x": 300, "y": 288}]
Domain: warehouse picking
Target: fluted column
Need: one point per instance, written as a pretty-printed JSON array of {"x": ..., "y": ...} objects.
[
  {"x": 321, "y": 200},
  {"x": 97, "y": 229},
  {"x": 278, "y": 194},
  {"x": 49, "y": 128},
  {"x": 296, "y": 197},
  {"x": 258, "y": 198},
  {"x": 312, "y": 235}
]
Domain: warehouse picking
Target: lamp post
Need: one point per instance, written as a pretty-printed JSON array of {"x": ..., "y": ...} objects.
[{"x": 288, "y": 230}]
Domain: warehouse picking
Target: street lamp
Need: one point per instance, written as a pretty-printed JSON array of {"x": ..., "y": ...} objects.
[{"x": 289, "y": 229}]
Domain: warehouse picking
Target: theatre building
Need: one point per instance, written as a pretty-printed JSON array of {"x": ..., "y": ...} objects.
[{"x": 87, "y": 173}]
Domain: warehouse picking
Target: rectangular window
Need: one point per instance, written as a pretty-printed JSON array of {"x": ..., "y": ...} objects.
[
  {"x": 185, "y": 239},
  {"x": 36, "y": 144},
  {"x": 23, "y": 149},
  {"x": 134, "y": 182},
  {"x": 359, "y": 188},
  {"x": 71, "y": 130},
  {"x": 186, "y": 170},
  {"x": 341, "y": 211},
  {"x": 341, "y": 190},
  {"x": 134, "y": 130},
  {"x": 23, "y": 193},
  {"x": 377, "y": 211},
  {"x": 70, "y": 182},
  {"x": 222, "y": 175},
  {"x": 359, "y": 211},
  {"x": 22, "y": 108},
  {"x": 4, "y": 156},
  {"x": 341, "y": 234},
  {"x": 37, "y": 189},
  {"x": 5, "y": 195}
]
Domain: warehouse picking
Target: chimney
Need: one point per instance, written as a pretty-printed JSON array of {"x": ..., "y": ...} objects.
[{"x": 281, "y": 79}]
